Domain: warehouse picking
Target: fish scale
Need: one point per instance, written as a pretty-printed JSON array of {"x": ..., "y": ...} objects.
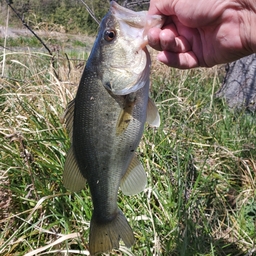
[
  {"x": 106, "y": 121},
  {"x": 112, "y": 153}
]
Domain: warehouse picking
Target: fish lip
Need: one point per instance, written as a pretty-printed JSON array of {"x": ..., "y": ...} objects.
[
  {"x": 129, "y": 17},
  {"x": 141, "y": 22},
  {"x": 147, "y": 21},
  {"x": 127, "y": 91},
  {"x": 140, "y": 83},
  {"x": 137, "y": 49}
]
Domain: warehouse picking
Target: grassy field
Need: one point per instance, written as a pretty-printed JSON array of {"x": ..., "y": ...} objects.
[{"x": 201, "y": 165}]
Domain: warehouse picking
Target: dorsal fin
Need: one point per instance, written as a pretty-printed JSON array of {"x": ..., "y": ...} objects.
[
  {"x": 135, "y": 179},
  {"x": 72, "y": 177}
]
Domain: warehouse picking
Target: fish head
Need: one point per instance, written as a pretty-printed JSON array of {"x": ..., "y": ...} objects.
[{"x": 123, "y": 63}]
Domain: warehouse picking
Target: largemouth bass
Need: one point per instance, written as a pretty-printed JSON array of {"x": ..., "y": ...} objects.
[{"x": 106, "y": 121}]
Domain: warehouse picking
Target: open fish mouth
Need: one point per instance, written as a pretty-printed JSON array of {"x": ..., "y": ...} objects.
[
  {"x": 130, "y": 71},
  {"x": 138, "y": 23},
  {"x": 140, "y": 79}
]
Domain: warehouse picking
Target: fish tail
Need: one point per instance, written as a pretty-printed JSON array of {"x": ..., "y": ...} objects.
[{"x": 105, "y": 236}]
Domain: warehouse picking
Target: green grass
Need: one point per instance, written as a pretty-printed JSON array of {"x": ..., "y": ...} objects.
[
  {"x": 78, "y": 43},
  {"x": 21, "y": 41},
  {"x": 57, "y": 44},
  {"x": 201, "y": 193}
]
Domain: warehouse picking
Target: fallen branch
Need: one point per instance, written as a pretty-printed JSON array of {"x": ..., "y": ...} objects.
[{"x": 9, "y": 3}]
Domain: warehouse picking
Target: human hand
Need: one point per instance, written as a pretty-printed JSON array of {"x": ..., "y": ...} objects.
[{"x": 203, "y": 33}]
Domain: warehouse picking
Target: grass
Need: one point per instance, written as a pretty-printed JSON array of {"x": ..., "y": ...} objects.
[
  {"x": 32, "y": 41},
  {"x": 21, "y": 41},
  {"x": 201, "y": 165}
]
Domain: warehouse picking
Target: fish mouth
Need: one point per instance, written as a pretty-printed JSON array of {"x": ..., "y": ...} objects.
[
  {"x": 127, "y": 91},
  {"x": 133, "y": 88},
  {"x": 132, "y": 82},
  {"x": 131, "y": 72},
  {"x": 139, "y": 20}
]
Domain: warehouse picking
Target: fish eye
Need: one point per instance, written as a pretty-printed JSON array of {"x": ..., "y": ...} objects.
[{"x": 109, "y": 35}]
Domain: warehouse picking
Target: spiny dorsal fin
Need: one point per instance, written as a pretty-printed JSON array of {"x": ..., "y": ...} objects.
[
  {"x": 153, "y": 117},
  {"x": 69, "y": 118},
  {"x": 135, "y": 179},
  {"x": 72, "y": 177}
]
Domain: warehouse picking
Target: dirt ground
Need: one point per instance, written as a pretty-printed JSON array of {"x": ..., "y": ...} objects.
[
  {"x": 13, "y": 32},
  {"x": 44, "y": 34}
]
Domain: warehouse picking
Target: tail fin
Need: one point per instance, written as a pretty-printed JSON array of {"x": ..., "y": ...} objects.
[{"x": 105, "y": 236}]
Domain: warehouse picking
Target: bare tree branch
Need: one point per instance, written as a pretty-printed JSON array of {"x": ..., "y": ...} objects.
[
  {"x": 27, "y": 26},
  {"x": 9, "y": 3},
  {"x": 90, "y": 12}
]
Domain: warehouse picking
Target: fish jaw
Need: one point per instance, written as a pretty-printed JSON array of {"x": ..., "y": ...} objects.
[
  {"x": 137, "y": 23},
  {"x": 123, "y": 61},
  {"x": 137, "y": 80}
]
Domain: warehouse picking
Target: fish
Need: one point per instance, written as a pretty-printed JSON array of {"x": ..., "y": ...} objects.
[{"x": 105, "y": 122}]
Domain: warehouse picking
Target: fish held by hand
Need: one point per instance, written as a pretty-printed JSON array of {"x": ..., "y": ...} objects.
[{"x": 105, "y": 122}]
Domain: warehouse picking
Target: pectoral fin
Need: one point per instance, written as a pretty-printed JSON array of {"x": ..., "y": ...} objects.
[
  {"x": 72, "y": 177},
  {"x": 69, "y": 118},
  {"x": 153, "y": 117},
  {"x": 124, "y": 119},
  {"x": 135, "y": 179},
  {"x": 125, "y": 115}
]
